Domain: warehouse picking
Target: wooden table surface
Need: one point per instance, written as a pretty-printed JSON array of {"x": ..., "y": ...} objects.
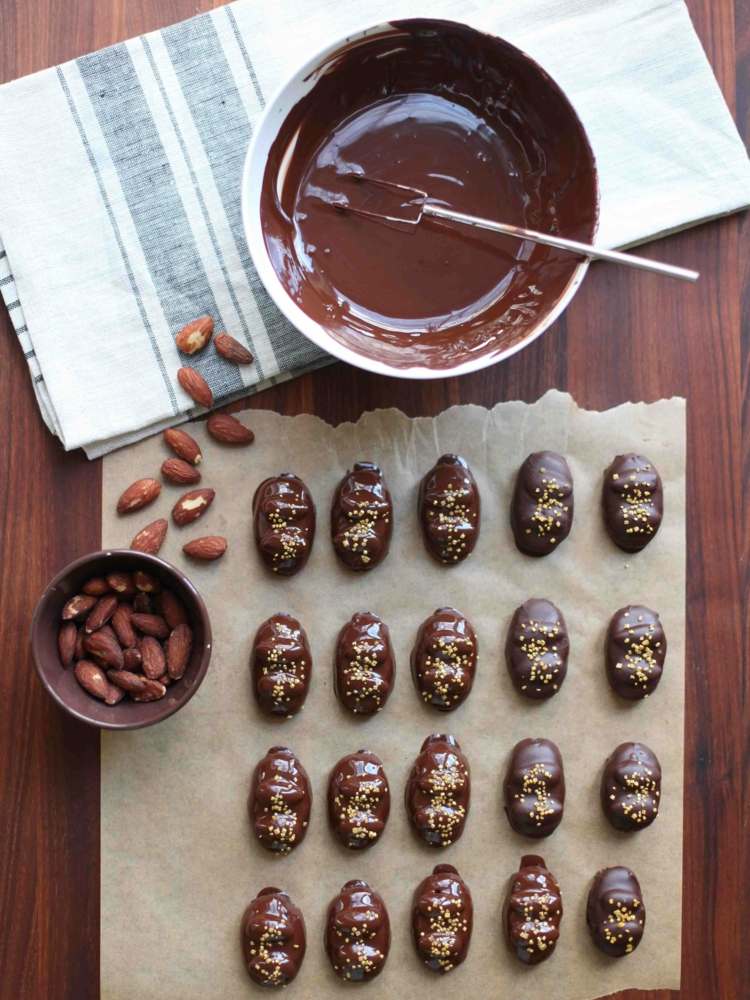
[{"x": 627, "y": 336}]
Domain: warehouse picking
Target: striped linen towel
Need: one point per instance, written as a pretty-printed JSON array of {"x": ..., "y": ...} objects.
[{"x": 120, "y": 184}]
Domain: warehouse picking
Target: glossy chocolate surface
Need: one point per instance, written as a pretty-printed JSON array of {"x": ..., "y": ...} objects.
[
  {"x": 533, "y": 911},
  {"x": 442, "y": 918},
  {"x": 536, "y": 649},
  {"x": 631, "y": 787},
  {"x": 615, "y": 912},
  {"x": 449, "y": 510},
  {"x": 281, "y": 666},
  {"x": 635, "y": 652},
  {"x": 358, "y": 932},
  {"x": 365, "y": 668},
  {"x": 438, "y": 791},
  {"x": 280, "y": 801},
  {"x": 541, "y": 513},
  {"x": 359, "y": 799},
  {"x": 284, "y": 523},
  {"x": 444, "y": 659},
  {"x": 534, "y": 788},
  {"x": 273, "y": 938},
  {"x": 362, "y": 518},
  {"x": 474, "y": 122},
  {"x": 633, "y": 501}
]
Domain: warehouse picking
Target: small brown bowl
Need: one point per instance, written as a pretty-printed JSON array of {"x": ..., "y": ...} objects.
[{"x": 61, "y": 682}]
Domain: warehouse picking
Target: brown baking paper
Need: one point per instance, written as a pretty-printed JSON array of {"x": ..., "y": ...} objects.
[{"x": 178, "y": 858}]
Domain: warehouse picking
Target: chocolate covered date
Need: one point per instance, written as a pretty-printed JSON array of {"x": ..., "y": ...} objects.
[
  {"x": 284, "y": 521},
  {"x": 438, "y": 791},
  {"x": 281, "y": 666},
  {"x": 442, "y": 917},
  {"x": 444, "y": 659},
  {"x": 541, "y": 513},
  {"x": 631, "y": 787},
  {"x": 635, "y": 652},
  {"x": 533, "y": 911},
  {"x": 615, "y": 913},
  {"x": 365, "y": 667},
  {"x": 535, "y": 788},
  {"x": 358, "y": 932},
  {"x": 449, "y": 510},
  {"x": 362, "y": 518},
  {"x": 359, "y": 799},
  {"x": 273, "y": 938},
  {"x": 536, "y": 649},
  {"x": 280, "y": 801},
  {"x": 633, "y": 501}
]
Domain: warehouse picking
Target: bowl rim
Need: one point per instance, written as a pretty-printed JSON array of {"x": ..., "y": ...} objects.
[
  {"x": 288, "y": 307},
  {"x": 157, "y": 564}
]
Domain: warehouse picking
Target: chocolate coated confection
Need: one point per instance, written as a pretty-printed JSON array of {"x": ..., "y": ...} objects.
[
  {"x": 633, "y": 501},
  {"x": 362, "y": 518},
  {"x": 541, "y": 513},
  {"x": 438, "y": 791},
  {"x": 359, "y": 799},
  {"x": 533, "y": 911},
  {"x": 631, "y": 787},
  {"x": 536, "y": 649},
  {"x": 284, "y": 519},
  {"x": 365, "y": 667},
  {"x": 273, "y": 938},
  {"x": 444, "y": 659},
  {"x": 280, "y": 801},
  {"x": 442, "y": 917},
  {"x": 615, "y": 911},
  {"x": 281, "y": 666},
  {"x": 449, "y": 509},
  {"x": 535, "y": 788},
  {"x": 636, "y": 650},
  {"x": 358, "y": 932}
]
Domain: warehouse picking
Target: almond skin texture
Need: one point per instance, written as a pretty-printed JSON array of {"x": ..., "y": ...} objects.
[
  {"x": 132, "y": 659},
  {"x": 179, "y": 646},
  {"x": 177, "y": 470},
  {"x": 96, "y": 586},
  {"x": 194, "y": 336},
  {"x": 101, "y": 613},
  {"x": 152, "y": 658},
  {"x": 104, "y": 648},
  {"x": 183, "y": 445},
  {"x": 122, "y": 627},
  {"x": 151, "y": 538},
  {"x": 191, "y": 506},
  {"x": 172, "y": 609},
  {"x": 207, "y": 549},
  {"x": 138, "y": 687},
  {"x": 150, "y": 625},
  {"x": 79, "y": 653},
  {"x": 92, "y": 679},
  {"x": 232, "y": 349},
  {"x": 145, "y": 582},
  {"x": 78, "y": 607},
  {"x": 139, "y": 494},
  {"x": 122, "y": 584},
  {"x": 66, "y": 642},
  {"x": 195, "y": 386},
  {"x": 227, "y": 429}
]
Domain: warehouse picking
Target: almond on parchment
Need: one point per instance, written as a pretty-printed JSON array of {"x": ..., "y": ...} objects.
[
  {"x": 78, "y": 607},
  {"x": 151, "y": 538},
  {"x": 232, "y": 349},
  {"x": 179, "y": 647},
  {"x": 66, "y": 642},
  {"x": 101, "y": 613},
  {"x": 192, "y": 505},
  {"x": 195, "y": 386},
  {"x": 227, "y": 429},
  {"x": 139, "y": 494},
  {"x": 172, "y": 609},
  {"x": 183, "y": 445},
  {"x": 177, "y": 470},
  {"x": 208, "y": 548},
  {"x": 195, "y": 335},
  {"x": 152, "y": 658}
]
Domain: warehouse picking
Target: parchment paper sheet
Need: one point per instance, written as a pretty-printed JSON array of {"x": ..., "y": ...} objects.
[{"x": 179, "y": 862}]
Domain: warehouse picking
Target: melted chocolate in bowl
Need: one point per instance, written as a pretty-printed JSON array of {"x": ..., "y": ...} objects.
[{"x": 474, "y": 122}]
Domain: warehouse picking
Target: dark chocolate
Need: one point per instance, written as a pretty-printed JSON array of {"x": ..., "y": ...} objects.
[
  {"x": 442, "y": 917},
  {"x": 273, "y": 938},
  {"x": 362, "y": 518},
  {"x": 365, "y": 667},
  {"x": 444, "y": 659},
  {"x": 281, "y": 666},
  {"x": 633, "y": 501},
  {"x": 536, "y": 649},
  {"x": 359, "y": 799},
  {"x": 631, "y": 787},
  {"x": 358, "y": 932},
  {"x": 280, "y": 801},
  {"x": 535, "y": 788},
  {"x": 284, "y": 520},
  {"x": 541, "y": 513},
  {"x": 635, "y": 653},
  {"x": 533, "y": 911},
  {"x": 438, "y": 791},
  {"x": 615, "y": 912},
  {"x": 449, "y": 510}
]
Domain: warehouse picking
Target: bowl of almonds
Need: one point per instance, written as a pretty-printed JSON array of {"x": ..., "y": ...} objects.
[{"x": 121, "y": 639}]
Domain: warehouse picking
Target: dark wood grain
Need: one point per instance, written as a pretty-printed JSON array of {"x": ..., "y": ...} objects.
[{"x": 626, "y": 336}]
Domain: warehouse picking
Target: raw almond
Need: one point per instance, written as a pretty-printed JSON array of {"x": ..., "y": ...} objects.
[
  {"x": 152, "y": 658},
  {"x": 177, "y": 470},
  {"x": 145, "y": 582},
  {"x": 92, "y": 679},
  {"x": 138, "y": 687},
  {"x": 121, "y": 583},
  {"x": 97, "y": 586},
  {"x": 139, "y": 494},
  {"x": 151, "y": 538},
  {"x": 195, "y": 386},
  {"x": 232, "y": 349},
  {"x": 153, "y": 625},
  {"x": 104, "y": 648},
  {"x": 66, "y": 642},
  {"x": 172, "y": 609},
  {"x": 122, "y": 628},
  {"x": 78, "y": 607},
  {"x": 131, "y": 658},
  {"x": 101, "y": 613},
  {"x": 207, "y": 548},
  {"x": 194, "y": 337},
  {"x": 227, "y": 429},
  {"x": 179, "y": 646},
  {"x": 183, "y": 445},
  {"x": 191, "y": 506}
]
